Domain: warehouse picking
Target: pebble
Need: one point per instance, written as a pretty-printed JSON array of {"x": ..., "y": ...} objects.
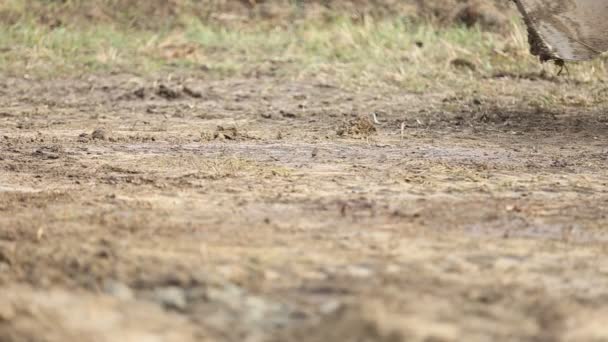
[
  {"x": 171, "y": 297},
  {"x": 118, "y": 290},
  {"x": 359, "y": 271},
  {"x": 98, "y": 134}
]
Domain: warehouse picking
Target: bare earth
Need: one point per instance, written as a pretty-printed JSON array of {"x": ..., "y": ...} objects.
[{"x": 268, "y": 209}]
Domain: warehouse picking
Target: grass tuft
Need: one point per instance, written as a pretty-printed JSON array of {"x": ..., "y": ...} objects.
[{"x": 388, "y": 52}]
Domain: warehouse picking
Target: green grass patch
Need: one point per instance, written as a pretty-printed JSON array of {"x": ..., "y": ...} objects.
[{"x": 364, "y": 53}]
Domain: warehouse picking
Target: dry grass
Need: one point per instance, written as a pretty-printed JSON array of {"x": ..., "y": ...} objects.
[
  {"x": 198, "y": 167},
  {"x": 390, "y": 51}
]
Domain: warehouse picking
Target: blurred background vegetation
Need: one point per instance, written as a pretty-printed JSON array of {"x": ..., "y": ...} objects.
[
  {"x": 411, "y": 44},
  {"x": 162, "y": 14}
]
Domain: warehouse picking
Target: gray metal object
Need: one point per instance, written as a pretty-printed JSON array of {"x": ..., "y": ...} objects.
[{"x": 566, "y": 30}]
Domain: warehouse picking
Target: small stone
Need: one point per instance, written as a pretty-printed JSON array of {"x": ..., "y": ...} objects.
[
  {"x": 191, "y": 92},
  {"x": 330, "y": 307},
  {"x": 98, "y": 134},
  {"x": 171, "y": 297},
  {"x": 359, "y": 272},
  {"x": 118, "y": 290},
  {"x": 462, "y": 63},
  {"x": 167, "y": 93},
  {"x": 140, "y": 93},
  {"x": 230, "y": 133}
]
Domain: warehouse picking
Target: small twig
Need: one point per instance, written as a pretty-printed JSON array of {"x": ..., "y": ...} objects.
[
  {"x": 562, "y": 66},
  {"x": 40, "y": 233},
  {"x": 375, "y": 117}
]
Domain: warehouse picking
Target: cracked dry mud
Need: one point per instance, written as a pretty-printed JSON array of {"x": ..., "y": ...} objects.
[{"x": 236, "y": 211}]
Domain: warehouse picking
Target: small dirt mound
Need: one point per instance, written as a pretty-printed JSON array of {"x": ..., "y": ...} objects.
[
  {"x": 226, "y": 133},
  {"x": 361, "y": 126},
  {"x": 162, "y": 91}
]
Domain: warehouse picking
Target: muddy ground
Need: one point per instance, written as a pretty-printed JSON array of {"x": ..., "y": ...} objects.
[{"x": 182, "y": 208}]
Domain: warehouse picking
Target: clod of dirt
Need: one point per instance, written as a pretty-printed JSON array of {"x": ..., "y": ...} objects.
[
  {"x": 171, "y": 297},
  {"x": 287, "y": 114},
  {"x": 191, "y": 92},
  {"x": 137, "y": 94},
  {"x": 140, "y": 93},
  {"x": 99, "y": 134},
  {"x": 25, "y": 124},
  {"x": 230, "y": 133},
  {"x": 48, "y": 152},
  {"x": 362, "y": 126},
  {"x": 83, "y": 137},
  {"x": 462, "y": 63},
  {"x": 118, "y": 290},
  {"x": 167, "y": 93}
]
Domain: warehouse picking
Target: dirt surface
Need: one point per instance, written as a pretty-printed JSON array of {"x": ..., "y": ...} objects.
[{"x": 187, "y": 209}]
